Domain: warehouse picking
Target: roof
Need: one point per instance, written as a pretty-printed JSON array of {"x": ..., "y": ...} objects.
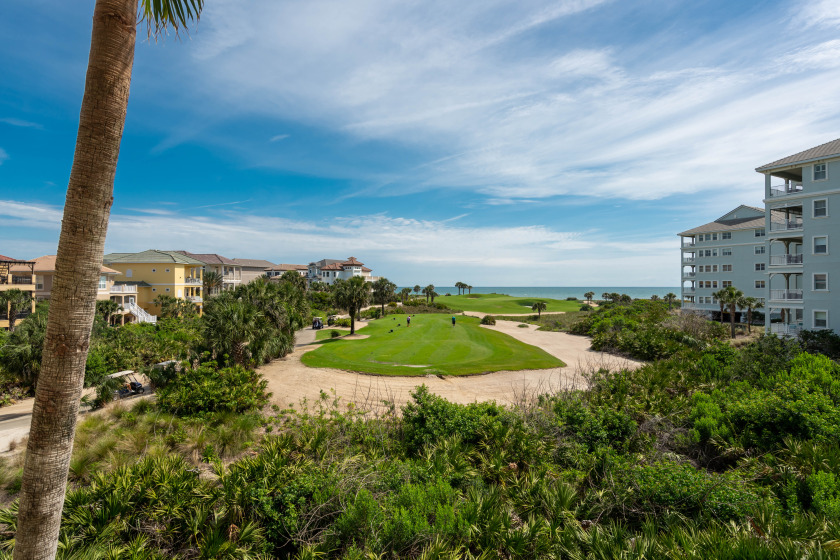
[
  {"x": 138, "y": 283},
  {"x": 47, "y": 264},
  {"x": 333, "y": 266},
  {"x": 352, "y": 262},
  {"x": 152, "y": 256},
  {"x": 4, "y": 258},
  {"x": 325, "y": 262},
  {"x": 253, "y": 263},
  {"x": 285, "y": 267},
  {"x": 823, "y": 151},
  {"x": 208, "y": 258},
  {"x": 366, "y": 269}
]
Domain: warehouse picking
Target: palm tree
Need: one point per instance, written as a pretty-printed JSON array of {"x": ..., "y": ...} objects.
[
  {"x": 230, "y": 325},
  {"x": 605, "y": 296},
  {"x": 404, "y": 293},
  {"x": 352, "y": 295},
  {"x": 169, "y": 305},
  {"x": 539, "y": 307},
  {"x": 720, "y": 296},
  {"x": 750, "y": 304},
  {"x": 654, "y": 297},
  {"x": 730, "y": 296},
  {"x": 79, "y": 261},
  {"x": 14, "y": 301},
  {"x": 589, "y": 296},
  {"x": 469, "y": 289},
  {"x": 383, "y": 292},
  {"x": 212, "y": 282},
  {"x": 670, "y": 298},
  {"x": 417, "y": 289},
  {"x": 106, "y": 308},
  {"x": 428, "y": 291}
]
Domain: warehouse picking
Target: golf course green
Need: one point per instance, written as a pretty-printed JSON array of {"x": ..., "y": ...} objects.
[
  {"x": 499, "y": 304},
  {"x": 430, "y": 345}
]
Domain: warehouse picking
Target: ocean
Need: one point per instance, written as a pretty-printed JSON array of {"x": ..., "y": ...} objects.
[{"x": 635, "y": 292}]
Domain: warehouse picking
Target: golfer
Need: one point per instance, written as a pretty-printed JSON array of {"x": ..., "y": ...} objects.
[
  {"x": 453, "y": 320},
  {"x": 408, "y": 321}
]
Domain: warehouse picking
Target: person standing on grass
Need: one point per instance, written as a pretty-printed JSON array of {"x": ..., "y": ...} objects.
[
  {"x": 408, "y": 321},
  {"x": 453, "y": 320}
]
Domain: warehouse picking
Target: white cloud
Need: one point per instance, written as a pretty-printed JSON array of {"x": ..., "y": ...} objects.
[
  {"x": 816, "y": 13},
  {"x": 3, "y": 156},
  {"x": 403, "y": 249},
  {"x": 278, "y": 137},
  {"x": 20, "y": 123},
  {"x": 527, "y": 122}
]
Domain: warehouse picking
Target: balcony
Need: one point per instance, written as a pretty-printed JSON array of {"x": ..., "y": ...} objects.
[
  {"x": 785, "y": 190},
  {"x": 689, "y": 305},
  {"x": 786, "y": 225},
  {"x": 195, "y": 299},
  {"x": 190, "y": 280},
  {"x": 124, "y": 289},
  {"x": 231, "y": 278},
  {"x": 688, "y": 291},
  {"x": 689, "y": 244},
  {"x": 689, "y": 274},
  {"x": 786, "y": 295},
  {"x": 22, "y": 280},
  {"x": 785, "y": 329},
  {"x": 785, "y": 260},
  {"x": 688, "y": 260}
]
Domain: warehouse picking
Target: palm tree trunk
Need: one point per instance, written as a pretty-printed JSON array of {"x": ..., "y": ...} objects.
[
  {"x": 732, "y": 320},
  {"x": 79, "y": 258},
  {"x": 352, "y": 320}
]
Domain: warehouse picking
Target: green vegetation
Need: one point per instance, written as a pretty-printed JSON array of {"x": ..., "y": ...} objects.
[
  {"x": 430, "y": 343},
  {"x": 510, "y": 305},
  {"x": 711, "y": 453}
]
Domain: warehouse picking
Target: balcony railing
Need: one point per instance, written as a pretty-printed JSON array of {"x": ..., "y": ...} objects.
[
  {"x": 689, "y": 274},
  {"x": 231, "y": 278},
  {"x": 688, "y": 259},
  {"x": 689, "y": 244},
  {"x": 689, "y": 305},
  {"x": 123, "y": 289},
  {"x": 785, "y": 329},
  {"x": 23, "y": 280},
  {"x": 784, "y": 260},
  {"x": 786, "y": 295},
  {"x": 195, "y": 299},
  {"x": 782, "y": 190},
  {"x": 189, "y": 280},
  {"x": 688, "y": 290},
  {"x": 786, "y": 225}
]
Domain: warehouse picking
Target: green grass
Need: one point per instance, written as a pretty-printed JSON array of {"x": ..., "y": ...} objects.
[
  {"x": 430, "y": 345},
  {"x": 324, "y": 334},
  {"x": 502, "y": 304}
]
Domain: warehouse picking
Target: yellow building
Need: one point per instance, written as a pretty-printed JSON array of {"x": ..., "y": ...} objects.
[
  {"x": 156, "y": 273},
  {"x": 16, "y": 274}
]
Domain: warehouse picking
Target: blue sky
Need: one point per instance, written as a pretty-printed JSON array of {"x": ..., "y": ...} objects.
[{"x": 517, "y": 143}]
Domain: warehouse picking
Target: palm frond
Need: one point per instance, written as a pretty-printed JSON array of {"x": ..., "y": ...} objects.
[{"x": 160, "y": 15}]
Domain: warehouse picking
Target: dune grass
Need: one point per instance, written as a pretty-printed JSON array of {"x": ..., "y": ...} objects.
[
  {"x": 430, "y": 345},
  {"x": 502, "y": 304}
]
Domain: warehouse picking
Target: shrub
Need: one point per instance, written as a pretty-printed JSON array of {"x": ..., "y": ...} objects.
[
  {"x": 207, "y": 389},
  {"x": 335, "y": 334},
  {"x": 345, "y": 322},
  {"x": 488, "y": 320},
  {"x": 571, "y": 299},
  {"x": 586, "y": 307},
  {"x": 594, "y": 426}
]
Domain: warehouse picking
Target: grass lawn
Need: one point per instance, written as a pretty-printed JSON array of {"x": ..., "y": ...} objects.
[
  {"x": 502, "y": 304},
  {"x": 324, "y": 334},
  {"x": 430, "y": 345}
]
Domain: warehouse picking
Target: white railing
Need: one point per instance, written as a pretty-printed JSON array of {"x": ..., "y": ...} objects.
[
  {"x": 784, "y": 190},
  {"x": 142, "y": 315},
  {"x": 689, "y": 305},
  {"x": 688, "y": 259},
  {"x": 189, "y": 280},
  {"x": 689, "y": 274},
  {"x": 195, "y": 299},
  {"x": 786, "y": 225},
  {"x": 231, "y": 278},
  {"x": 785, "y": 329},
  {"x": 782, "y": 260},
  {"x": 690, "y": 244},
  {"x": 787, "y": 295},
  {"x": 688, "y": 290},
  {"x": 124, "y": 289}
]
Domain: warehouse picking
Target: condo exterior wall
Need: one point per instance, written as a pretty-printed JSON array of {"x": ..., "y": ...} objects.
[
  {"x": 20, "y": 275},
  {"x": 722, "y": 256},
  {"x": 804, "y": 295},
  {"x": 173, "y": 279}
]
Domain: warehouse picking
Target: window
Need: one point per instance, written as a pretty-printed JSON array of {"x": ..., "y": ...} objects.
[
  {"x": 820, "y": 208},
  {"x": 167, "y": 270},
  {"x": 759, "y": 267},
  {"x": 759, "y": 250},
  {"x": 726, "y": 235},
  {"x": 714, "y": 237},
  {"x": 759, "y": 284},
  {"x": 714, "y": 283},
  {"x": 726, "y": 283},
  {"x": 154, "y": 289},
  {"x": 759, "y": 232},
  {"x": 726, "y": 252},
  {"x": 154, "y": 270},
  {"x": 820, "y": 319},
  {"x": 103, "y": 282},
  {"x": 167, "y": 289},
  {"x": 726, "y": 268},
  {"x": 820, "y": 172},
  {"x": 820, "y": 281},
  {"x": 821, "y": 245},
  {"x": 128, "y": 273}
]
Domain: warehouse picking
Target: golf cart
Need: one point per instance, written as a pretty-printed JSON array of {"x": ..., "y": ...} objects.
[
  {"x": 317, "y": 323},
  {"x": 130, "y": 384}
]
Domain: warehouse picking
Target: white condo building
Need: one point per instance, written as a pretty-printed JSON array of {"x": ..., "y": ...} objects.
[
  {"x": 800, "y": 193},
  {"x": 730, "y": 251}
]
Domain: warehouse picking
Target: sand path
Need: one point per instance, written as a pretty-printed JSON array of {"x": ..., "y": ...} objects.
[{"x": 291, "y": 382}]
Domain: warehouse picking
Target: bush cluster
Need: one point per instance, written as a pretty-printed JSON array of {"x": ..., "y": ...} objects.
[{"x": 210, "y": 389}]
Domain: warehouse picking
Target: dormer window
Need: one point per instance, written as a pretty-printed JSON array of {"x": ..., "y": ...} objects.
[{"x": 820, "y": 172}]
